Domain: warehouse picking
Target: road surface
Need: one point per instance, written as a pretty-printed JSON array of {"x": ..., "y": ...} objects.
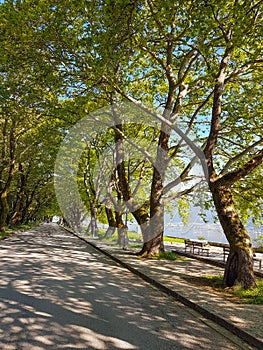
[{"x": 56, "y": 292}]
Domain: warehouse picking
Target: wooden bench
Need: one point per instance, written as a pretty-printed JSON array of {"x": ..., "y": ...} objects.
[
  {"x": 255, "y": 258},
  {"x": 188, "y": 244},
  {"x": 199, "y": 245},
  {"x": 226, "y": 251}
]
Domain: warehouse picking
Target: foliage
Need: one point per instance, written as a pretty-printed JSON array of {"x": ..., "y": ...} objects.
[
  {"x": 199, "y": 64},
  {"x": 259, "y": 241}
]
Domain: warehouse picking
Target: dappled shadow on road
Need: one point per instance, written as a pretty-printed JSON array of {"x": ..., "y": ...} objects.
[
  {"x": 57, "y": 293},
  {"x": 183, "y": 276}
]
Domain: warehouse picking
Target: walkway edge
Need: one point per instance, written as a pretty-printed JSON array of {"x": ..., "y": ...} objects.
[{"x": 247, "y": 337}]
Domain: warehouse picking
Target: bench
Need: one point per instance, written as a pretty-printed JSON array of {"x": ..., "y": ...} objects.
[
  {"x": 256, "y": 259},
  {"x": 199, "y": 245},
  {"x": 226, "y": 251}
]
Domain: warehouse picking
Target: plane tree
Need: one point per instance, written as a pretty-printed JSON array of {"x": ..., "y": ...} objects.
[
  {"x": 196, "y": 62},
  {"x": 31, "y": 193},
  {"x": 201, "y": 60},
  {"x": 28, "y": 120}
]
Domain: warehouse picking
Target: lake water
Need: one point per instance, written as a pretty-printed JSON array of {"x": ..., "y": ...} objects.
[{"x": 212, "y": 232}]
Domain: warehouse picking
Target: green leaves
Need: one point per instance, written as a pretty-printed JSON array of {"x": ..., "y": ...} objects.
[{"x": 60, "y": 61}]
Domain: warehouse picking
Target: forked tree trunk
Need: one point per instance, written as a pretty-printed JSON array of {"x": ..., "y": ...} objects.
[
  {"x": 151, "y": 225},
  {"x": 239, "y": 266}
]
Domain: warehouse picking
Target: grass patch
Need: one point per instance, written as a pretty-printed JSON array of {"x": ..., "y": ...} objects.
[
  {"x": 250, "y": 296},
  {"x": 214, "y": 281},
  {"x": 12, "y": 230},
  {"x": 133, "y": 236},
  {"x": 167, "y": 256},
  {"x": 3, "y": 235},
  {"x": 131, "y": 245},
  {"x": 173, "y": 239},
  {"x": 101, "y": 236},
  {"x": 23, "y": 226}
]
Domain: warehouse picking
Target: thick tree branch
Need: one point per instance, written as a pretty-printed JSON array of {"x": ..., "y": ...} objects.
[
  {"x": 216, "y": 112},
  {"x": 179, "y": 194},
  {"x": 239, "y": 156},
  {"x": 236, "y": 175},
  {"x": 154, "y": 56}
]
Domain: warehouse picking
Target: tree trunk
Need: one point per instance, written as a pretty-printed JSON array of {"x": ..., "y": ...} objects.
[
  {"x": 121, "y": 228},
  {"x": 93, "y": 226},
  {"x": 154, "y": 243},
  {"x": 112, "y": 223},
  {"x": 152, "y": 232},
  {"x": 93, "y": 221},
  {"x": 152, "y": 247},
  {"x": 151, "y": 225},
  {"x": 16, "y": 218},
  {"x": 239, "y": 266},
  {"x": 4, "y": 210}
]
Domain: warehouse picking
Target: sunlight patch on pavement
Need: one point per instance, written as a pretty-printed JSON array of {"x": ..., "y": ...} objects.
[{"x": 101, "y": 342}]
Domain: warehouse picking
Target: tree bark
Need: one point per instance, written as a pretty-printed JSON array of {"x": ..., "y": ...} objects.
[
  {"x": 152, "y": 225},
  {"x": 121, "y": 228},
  {"x": 93, "y": 221},
  {"x": 4, "y": 210},
  {"x": 112, "y": 223},
  {"x": 16, "y": 218},
  {"x": 153, "y": 235},
  {"x": 239, "y": 266}
]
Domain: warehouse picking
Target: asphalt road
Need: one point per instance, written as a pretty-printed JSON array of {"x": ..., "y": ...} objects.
[{"x": 56, "y": 292}]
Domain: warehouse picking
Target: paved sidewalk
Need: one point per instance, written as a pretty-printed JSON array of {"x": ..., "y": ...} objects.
[{"x": 172, "y": 277}]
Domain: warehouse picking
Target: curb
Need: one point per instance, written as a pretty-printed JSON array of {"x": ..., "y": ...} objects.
[{"x": 246, "y": 337}]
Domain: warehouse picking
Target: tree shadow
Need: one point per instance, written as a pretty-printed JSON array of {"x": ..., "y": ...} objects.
[{"x": 58, "y": 293}]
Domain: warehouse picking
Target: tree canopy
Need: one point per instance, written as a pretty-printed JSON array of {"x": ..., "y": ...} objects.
[{"x": 196, "y": 67}]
